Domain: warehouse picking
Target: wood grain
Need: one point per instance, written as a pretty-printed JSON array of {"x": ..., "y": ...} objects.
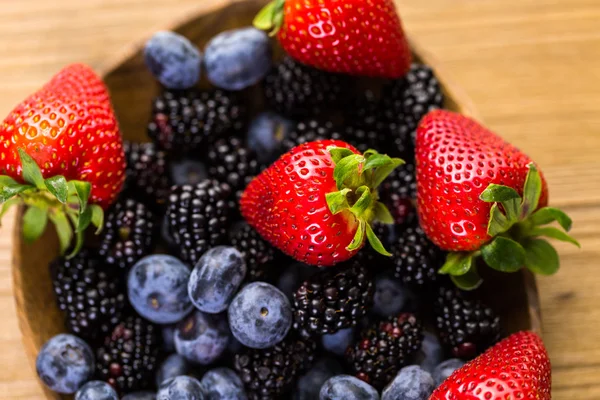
[{"x": 532, "y": 68}]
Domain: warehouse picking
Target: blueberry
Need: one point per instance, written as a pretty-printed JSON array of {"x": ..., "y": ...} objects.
[
  {"x": 346, "y": 387},
  {"x": 96, "y": 390},
  {"x": 140, "y": 396},
  {"x": 265, "y": 134},
  {"x": 188, "y": 172},
  {"x": 64, "y": 363},
  {"x": 216, "y": 278},
  {"x": 173, "y": 60},
  {"x": 309, "y": 384},
  {"x": 391, "y": 297},
  {"x": 238, "y": 58},
  {"x": 411, "y": 383},
  {"x": 445, "y": 369},
  {"x": 292, "y": 277},
  {"x": 173, "y": 366},
  {"x": 157, "y": 289},
  {"x": 168, "y": 334},
  {"x": 260, "y": 316},
  {"x": 223, "y": 384},
  {"x": 431, "y": 353},
  {"x": 181, "y": 388},
  {"x": 338, "y": 342},
  {"x": 201, "y": 337}
]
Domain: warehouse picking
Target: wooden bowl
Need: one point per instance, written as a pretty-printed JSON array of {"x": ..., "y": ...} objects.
[{"x": 132, "y": 88}]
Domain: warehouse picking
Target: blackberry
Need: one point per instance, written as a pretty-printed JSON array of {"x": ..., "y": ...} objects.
[
  {"x": 272, "y": 372},
  {"x": 128, "y": 358},
  {"x": 416, "y": 259},
  {"x": 309, "y": 131},
  {"x": 147, "y": 172},
  {"x": 333, "y": 299},
  {"x": 258, "y": 253},
  {"x": 401, "y": 183},
  {"x": 365, "y": 110},
  {"x": 384, "y": 348},
  {"x": 297, "y": 91},
  {"x": 128, "y": 235},
  {"x": 198, "y": 217},
  {"x": 91, "y": 295},
  {"x": 466, "y": 326},
  {"x": 184, "y": 122},
  {"x": 232, "y": 162}
]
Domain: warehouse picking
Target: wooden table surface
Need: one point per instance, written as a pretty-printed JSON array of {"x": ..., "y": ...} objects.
[{"x": 531, "y": 66}]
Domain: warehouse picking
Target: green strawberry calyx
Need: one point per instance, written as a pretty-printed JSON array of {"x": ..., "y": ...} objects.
[
  {"x": 516, "y": 226},
  {"x": 63, "y": 202},
  {"x": 357, "y": 177},
  {"x": 270, "y": 18}
]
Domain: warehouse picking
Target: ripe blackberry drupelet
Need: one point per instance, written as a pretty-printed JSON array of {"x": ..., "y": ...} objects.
[
  {"x": 297, "y": 91},
  {"x": 185, "y": 122},
  {"x": 309, "y": 131},
  {"x": 230, "y": 161},
  {"x": 127, "y": 359},
  {"x": 198, "y": 217},
  {"x": 466, "y": 327},
  {"x": 90, "y": 294},
  {"x": 270, "y": 373},
  {"x": 384, "y": 348},
  {"x": 258, "y": 253},
  {"x": 148, "y": 178},
  {"x": 128, "y": 234},
  {"x": 333, "y": 299},
  {"x": 401, "y": 183}
]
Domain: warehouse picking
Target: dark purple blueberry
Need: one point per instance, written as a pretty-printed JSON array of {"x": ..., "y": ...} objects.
[
  {"x": 216, "y": 278},
  {"x": 188, "y": 172},
  {"x": 181, "y": 388},
  {"x": 292, "y": 277},
  {"x": 168, "y": 335},
  {"x": 173, "y": 366},
  {"x": 338, "y": 342},
  {"x": 260, "y": 315},
  {"x": 431, "y": 353},
  {"x": 391, "y": 296},
  {"x": 223, "y": 384},
  {"x": 157, "y": 288},
  {"x": 265, "y": 134},
  {"x": 201, "y": 338},
  {"x": 411, "y": 383},
  {"x": 345, "y": 387},
  {"x": 64, "y": 363},
  {"x": 446, "y": 368},
  {"x": 140, "y": 396},
  {"x": 309, "y": 384},
  {"x": 96, "y": 390}
]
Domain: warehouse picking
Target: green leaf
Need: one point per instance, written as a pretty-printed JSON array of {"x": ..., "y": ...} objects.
[
  {"x": 498, "y": 222},
  {"x": 457, "y": 264},
  {"x": 512, "y": 209},
  {"x": 337, "y": 153},
  {"x": 375, "y": 242},
  {"x": 8, "y": 204},
  {"x": 82, "y": 190},
  {"x": 541, "y": 257},
  {"x": 10, "y": 190},
  {"x": 382, "y": 214},
  {"x": 498, "y": 194},
  {"x": 547, "y": 215},
  {"x": 34, "y": 223},
  {"x": 377, "y": 160},
  {"x": 63, "y": 229},
  {"x": 553, "y": 233},
  {"x": 385, "y": 170},
  {"x": 359, "y": 237},
  {"x": 347, "y": 168},
  {"x": 97, "y": 217},
  {"x": 31, "y": 172},
  {"x": 57, "y": 185},
  {"x": 270, "y": 18},
  {"x": 81, "y": 223},
  {"x": 338, "y": 201},
  {"x": 7, "y": 180},
  {"x": 532, "y": 190},
  {"x": 469, "y": 281},
  {"x": 503, "y": 254},
  {"x": 363, "y": 203}
]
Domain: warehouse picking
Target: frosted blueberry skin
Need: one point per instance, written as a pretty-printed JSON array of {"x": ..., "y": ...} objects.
[
  {"x": 390, "y": 297},
  {"x": 188, "y": 172},
  {"x": 201, "y": 338},
  {"x": 431, "y": 353},
  {"x": 168, "y": 335},
  {"x": 96, "y": 390},
  {"x": 181, "y": 388},
  {"x": 157, "y": 289},
  {"x": 260, "y": 316},
  {"x": 338, "y": 342},
  {"x": 309, "y": 384},
  {"x": 238, "y": 58},
  {"x": 173, "y": 366},
  {"x": 173, "y": 60},
  {"x": 216, "y": 278},
  {"x": 140, "y": 396},
  {"x": 445, "y": 369},
  {"x": 411, "y": 383},
  {"x": 265, "y": 134},
  {"x": 346, "y": 387},
  {"x": 65, "y": 363},
  {"x": 222, "y": 384}
]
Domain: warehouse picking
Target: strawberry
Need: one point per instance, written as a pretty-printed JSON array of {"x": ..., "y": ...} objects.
[
  {"x": 518, "y": 367},
  {"x": 356, "y": 37},
  {"x": 316, "y": 203},
  {"x": 62, "y": 148},
  {"x": 480, "y": 196}
]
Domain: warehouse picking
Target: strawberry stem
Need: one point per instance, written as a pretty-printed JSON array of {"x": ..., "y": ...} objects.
[{"x": 270, "y": 17}]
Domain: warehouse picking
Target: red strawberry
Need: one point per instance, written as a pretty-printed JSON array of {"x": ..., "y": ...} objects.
[
  {"x": 479, "y": 195},
  {"x": 316, "y": 202},
  {"x": 62, "y": 146},
  {"x": 357, "y": 37},
  {"x": 516, "y": 368}
]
